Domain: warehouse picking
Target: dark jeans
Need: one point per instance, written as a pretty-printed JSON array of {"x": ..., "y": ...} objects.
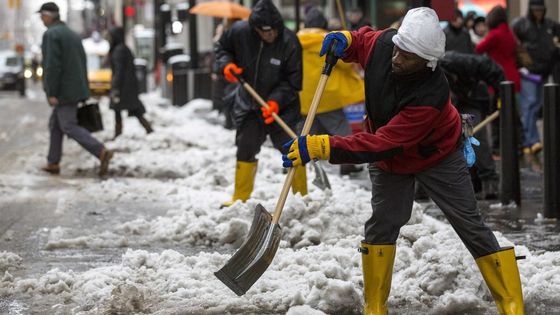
[{"x": 448, "y": 184}]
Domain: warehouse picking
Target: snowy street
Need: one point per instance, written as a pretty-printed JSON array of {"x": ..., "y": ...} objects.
[{"x": 148, "y": 239}]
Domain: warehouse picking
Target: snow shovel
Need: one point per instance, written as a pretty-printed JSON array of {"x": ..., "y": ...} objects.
[
  {"x": 321, "y": 180},
  {"x": 252, "y": 259}
]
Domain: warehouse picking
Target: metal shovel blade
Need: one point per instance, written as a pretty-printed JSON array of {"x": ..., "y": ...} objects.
[
  {"x": 252, "y": 259},
  {"x": 321, "y": 180}
]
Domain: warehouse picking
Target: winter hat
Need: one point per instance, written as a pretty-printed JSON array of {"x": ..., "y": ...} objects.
[
  {"x": 48, "y": 7},
  {"x": 315, "y": 18},
  {"x": 536, "y": 4},
  {"x": 265, "y": 16},
  {"x": 421, "y": 34}
]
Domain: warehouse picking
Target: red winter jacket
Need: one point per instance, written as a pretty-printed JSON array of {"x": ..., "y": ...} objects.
[
  {"x": 412, "y": 123},
  {"x": 500, "y": 45}
]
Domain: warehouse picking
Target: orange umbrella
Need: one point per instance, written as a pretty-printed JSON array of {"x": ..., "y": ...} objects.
[{"x": 225, "y": 9}]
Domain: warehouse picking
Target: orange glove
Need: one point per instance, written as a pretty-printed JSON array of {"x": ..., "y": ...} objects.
[
  {"x": 267, "y": 112},
  {"x": 228, "y": 69}
]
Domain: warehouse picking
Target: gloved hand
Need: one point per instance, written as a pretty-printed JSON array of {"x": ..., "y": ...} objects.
[
  {"x": 468, "y": 150},
  {"x": 306, "y": 148},
  {"x": 343, "y": 40},
  {"x": 228, "y": 69},
  {"x": 267, "y": 112}
]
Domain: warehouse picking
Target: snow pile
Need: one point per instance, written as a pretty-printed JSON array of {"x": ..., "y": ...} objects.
[
  {"x": 9, "y": 261},
  {"x": 189, "y": 162}
]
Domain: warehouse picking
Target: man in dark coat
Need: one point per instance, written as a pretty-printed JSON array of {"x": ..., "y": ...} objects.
[
  {"x": 414, "y": 134},
  {"x": 65, "y": 83},
  {"x": 268, "y": 56},
  {"x": 457, "y": 37},
  {"x": 124, "y": 85},
  {"x": 464, "y": 73},
  {"x": 536, "y": 33}
]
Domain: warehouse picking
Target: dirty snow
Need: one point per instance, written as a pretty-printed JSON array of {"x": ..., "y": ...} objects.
[{"x": 317, "y": 269}]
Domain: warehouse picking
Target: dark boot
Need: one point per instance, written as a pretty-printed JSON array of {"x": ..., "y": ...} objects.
[
  {"x": 105, "y": 157},
  {"x": 146, "y": 124},
  {"x": 489, "y": 189},
  {"x": 53, "y": 169},
  {"x": 118, "y": 130}
]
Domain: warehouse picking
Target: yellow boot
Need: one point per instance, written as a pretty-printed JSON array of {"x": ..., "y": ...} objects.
[
  {"x": 500, "y": 272},
  {"x": 377, "y": 265},
  {"x": 244, "y": 179},
  {"x": 299, "y": 184}
]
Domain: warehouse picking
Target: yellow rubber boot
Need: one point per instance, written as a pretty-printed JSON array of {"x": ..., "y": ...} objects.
[
  {"x": 244, "y": 179},
  {"x": 299, "y": 184},
  {"x": 501, "y": 274},
  {"x": 377, "y": 265}
]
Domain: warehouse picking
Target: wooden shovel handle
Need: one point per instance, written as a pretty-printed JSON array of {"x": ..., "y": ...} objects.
[
  {"x": 486, "y": 121},
  {"x": 305, "y": 131},
  {"x": 341, "y": 14}
]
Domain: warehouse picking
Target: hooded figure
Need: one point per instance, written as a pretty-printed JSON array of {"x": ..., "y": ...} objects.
[
  {"x": 536, "y": 33},
  {"x": 413, "y": 136},
  {"x": 268, "y": 57},
  {"x": 124, "y": 84}
]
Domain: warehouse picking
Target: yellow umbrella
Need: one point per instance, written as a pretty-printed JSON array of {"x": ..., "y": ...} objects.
[{"x": 224, "y": 9}]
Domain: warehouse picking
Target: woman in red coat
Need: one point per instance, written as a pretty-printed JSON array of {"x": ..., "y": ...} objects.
[{"x": 500, "y": 44}]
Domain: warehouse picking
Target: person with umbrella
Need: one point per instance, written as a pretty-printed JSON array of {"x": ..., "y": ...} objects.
[
  {"x": 414, "y": 134},
  {"x": 268, "y": 56}
]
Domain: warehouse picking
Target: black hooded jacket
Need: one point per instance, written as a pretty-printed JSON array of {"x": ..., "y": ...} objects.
[
  {"x": 273, "y": 70},
  {"x": 538, "y": 39},
  {"x": 464, "y": 73},
  {"x": 123, "y": 82}
]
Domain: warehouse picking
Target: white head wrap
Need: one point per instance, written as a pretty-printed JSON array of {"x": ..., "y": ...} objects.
[{"x": 421, "y": 34}]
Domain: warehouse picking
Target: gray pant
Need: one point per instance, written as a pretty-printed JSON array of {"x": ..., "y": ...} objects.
[
  {"x": 448, "y": 184},
  {"x": 64, "y": 121}
]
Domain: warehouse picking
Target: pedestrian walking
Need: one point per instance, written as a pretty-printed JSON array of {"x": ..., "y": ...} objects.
[
  {"x": 124, "y": 85},
  {"x": 268, "y": 56},
  {"x": 66, "y": 85},
  {"x": 500, "y": 45},
  {"x": 536, "y": 33},
  {"x": 464, "y": 72},
  {"x": 414, "y": 134},
  {"x": 345, "y": 85}
]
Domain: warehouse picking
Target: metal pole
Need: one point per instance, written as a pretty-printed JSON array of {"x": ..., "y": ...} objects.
[
  {"x": 509, "y": 167},
  {"x": 551, "y": 115},
  {"x": 193, "y": 39}
]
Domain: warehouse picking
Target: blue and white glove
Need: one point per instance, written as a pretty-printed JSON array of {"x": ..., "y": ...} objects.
[
  {"x": 343, "y": 40},
  {"x": 468, "y": 150}
]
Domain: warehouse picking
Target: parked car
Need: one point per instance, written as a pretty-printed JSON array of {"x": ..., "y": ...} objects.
[{"x": 12, "y": 72}]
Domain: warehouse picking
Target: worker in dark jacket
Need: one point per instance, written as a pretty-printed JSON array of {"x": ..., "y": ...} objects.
[
  {"x": 65, "y": 83},
  {"x": 414, "y": 135},
  {"x": 536, "y": 33},
  {"x": 464, "y": 73},
  {"x": 268, "y": 56},
  {"x": 124, "y": 85}
]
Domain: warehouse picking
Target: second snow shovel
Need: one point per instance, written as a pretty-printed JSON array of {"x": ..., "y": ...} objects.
[
  {"x": 252, "y": 259},
  {"x": 321, "y": 180}
]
